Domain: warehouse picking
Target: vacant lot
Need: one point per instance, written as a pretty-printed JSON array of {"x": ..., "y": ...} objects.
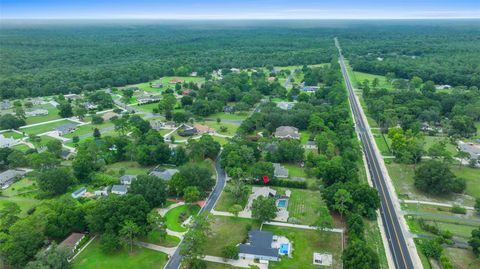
[
  {"x": 462, "y": 258},
  {"x": 305, "y": 205},
  {"x": 92, "y": 257},
  {"x": 227, "y": 231},
  {"x": 305, "y": 243}
]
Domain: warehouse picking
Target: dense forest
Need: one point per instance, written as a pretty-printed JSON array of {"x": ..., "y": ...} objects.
[{"x": 51, "y": 58}]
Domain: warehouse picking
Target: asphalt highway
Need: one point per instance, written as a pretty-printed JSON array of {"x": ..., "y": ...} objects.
[{"x": 396, "y": 238}]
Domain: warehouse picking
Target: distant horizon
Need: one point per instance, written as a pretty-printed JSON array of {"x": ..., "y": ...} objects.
[{"x": 238, "y": 10}]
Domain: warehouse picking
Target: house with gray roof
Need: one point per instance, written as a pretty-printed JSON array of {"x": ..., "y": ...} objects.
[
  {"x": 259, "y": 246},
  {"x": 285, "y": 105},
  {"x": 165, "y": 174},
  {"x": 471, "y": 148},
  {"x": 284, "y": 132},
  {"x": 36, "y": 112},
  {"x": 6, "y": 142},
  {"x": 79, "y": 193},
  {"x": 127, "y": 179},
  {"x": 119, "y": 189},
  {"x": 66, "y": 128},
  {"x": 5, "y": 104},
  {"x": 280, "y": 171},
  {"x": 7, "y": 177}
]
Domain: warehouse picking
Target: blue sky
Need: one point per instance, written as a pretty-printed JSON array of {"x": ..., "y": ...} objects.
[{"x": 239, "y": 9}]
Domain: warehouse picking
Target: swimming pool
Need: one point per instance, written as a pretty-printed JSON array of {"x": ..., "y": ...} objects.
[
  {"x": 282, "y": 203},
  {"x": 283, "y": 249}
]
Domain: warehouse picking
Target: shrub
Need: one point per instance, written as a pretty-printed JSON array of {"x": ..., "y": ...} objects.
[
  {"x": 230, "y": 252},
  {"x": 456, "y": 209},
  {"x": 282, "y": 183}
]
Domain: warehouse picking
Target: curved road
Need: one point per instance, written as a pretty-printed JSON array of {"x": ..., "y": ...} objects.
[
  {"x": 396, "y": 239},
  {"x": 176, "y": 258}
]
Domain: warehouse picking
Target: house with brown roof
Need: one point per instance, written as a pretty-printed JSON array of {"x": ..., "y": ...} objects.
[
  {"x": 72, "y": 241},
  {"x": 109, "y": 115},
  {"x": 175, "y": 81},
  {"x": 203, "y": 129}
]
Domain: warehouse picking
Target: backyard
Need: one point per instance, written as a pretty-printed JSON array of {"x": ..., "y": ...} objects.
[
  {"x": 35, "y": 130},
  {"x": 93, "y": 257},
  {"x": 129, "y": 167},
  {"x": 305, "y": 243}
]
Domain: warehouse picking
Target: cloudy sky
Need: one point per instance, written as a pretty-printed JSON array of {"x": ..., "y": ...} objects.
[{"x": 239, "y": 9}]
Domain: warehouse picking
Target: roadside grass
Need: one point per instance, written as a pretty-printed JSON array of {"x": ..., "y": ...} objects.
[
  {"x": 462, "y": 258},
  {"x": 226, "y": 231},
  {"x": 231, "y": 128},
  {"x": 441, "y": 210},
  {"x": 360, "y": 77},
  {"x": 216, "y": 265},
  {"x": 11, "y": 134},
  {"x": 464, "y": 231},
  {"x": 174, "y": 217},
  {"x": 130, "y": 167},
  {"x": 425, "y": 262},
  {"x": 52, "y": 115},
  {"x": 22, "y": 193},
  {"x": 226, "y": 200},
  {"x": 35, "y": 130},
  {"x": 93, "y": 257},
  {"x": 154, "y": 238},
  {"x": 228, "y": 116},
  {"x": 381, "y": 143},
  {"x": 374, "y": 240},
  {"x": 304, "y": 244},
  {"x": 431, "y": 140}
]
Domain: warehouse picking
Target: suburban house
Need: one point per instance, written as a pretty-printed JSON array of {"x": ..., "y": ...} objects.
[
  {"x": 109, "y": 115},
  {"x": 165, "y": 174},
  {"x": 186, "y": 91},
  {"x": 280, "y": 171},
  {"x": 193, "y": 74},
  {"x": 309, "y": 89},
  {"x": 36, "y": 112},
  {"x": 79, "y": 193},
  {"x": 37, "y": 101},
  {"x": 90, "y": 105},
  {"x": 145, "y": 99},
  {"x": 285, "y": 105},
  {"x": 66, "y": 128},
  {"x": 310, "y": 145},
  {"x": 281, "y": 201},
  {"x": 66, "y": 154},
  {"x": 6, "y": 142},
  {"x": 127, "y": 179},
  {"x": 72, "y": 96},
  {"x": 259, "y": 246},
  {"x": 119, "y": 189},
  {"x": 189, "y": 131},
  {"x": 156, "y": 125},
  {"x": 54, "y": 103},
  {"x": 175, "y": 81},
  {"x": 7, "y": 177},
  {"x": 228, "y": 109},
  {"x": 5, "y": 104},
  {"x": 170, "y": 124},
  {"x": 72, "y": 241},
  {"x": 287, "y": 132},
  {"x": 157, "y": 85},
  {"x": 102, "y": 192},
  {"x": 235, "y": 70},
  {"x": 471, "y": 148},
  {"x": 203, "y": 129}
]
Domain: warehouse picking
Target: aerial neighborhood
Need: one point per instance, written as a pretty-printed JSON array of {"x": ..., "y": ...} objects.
[{"x": 144, "y": 145}]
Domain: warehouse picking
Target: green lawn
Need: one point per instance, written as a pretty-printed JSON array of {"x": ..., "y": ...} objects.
[
  {"x": 305, "y": 243},
  {"x": 226, "y": 200},
  {"x": 23, "y": 193},
  {"x": 165, "y": 81},
  {"x": 44, "y": 127},
  {"x": 221, "y": 140},
  {"x": 14, "y": 135},
  {"x": 359, "y": 77},
  {"x": 148, "y": 107},
  {"x": 304, "y": 137},
  {"x": 381, "y": 142},
  {"x": 52, "y": 115},
  {"x": 431, "y": 140},
  {"x": 131, "y": 168},
  {"x": 154, "y": 238},
  {"x": 43, "y": 141},
  {"x": 88, "y": 129},
  {"x": 227, "y": 231},
  {"x": 215, "y": 265},
  {"x": 92, "y": 257},
  {"x": 174, "y": 217},
  {"x": 21, "y": 147},
  {"x": 231, "y": 128},
  {"x": 228, "y": 116},
  {"x": 305, "y": 206},
  {"x": 294, "y": 170},
  {"x": 402, "y": 177}
]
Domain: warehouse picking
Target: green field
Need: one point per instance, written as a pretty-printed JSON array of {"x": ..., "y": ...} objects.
[
  {"x": 173, "y": 217},
  {"x": 229, "y": 116},
  {"x": 360, "y": 77},
  {"x": 231, "y": 128},
  {"x": 21, "y": 147},
  {"x": 23, "y": 193},
  {"x": 227, "y": 231},
  {"x": 35, "y": 130},
  {"x": 305, "y": 243},
  {"x": 130, "y": 167},
  {"x": 402, "y": 178},
  {"x": 14, "y": 135},
  {"x": 165, "y": 81},
  {"x": 147, "y": 107},
  {"x": 294, "y": 170},
  {"x": 381, "y": 142},
  {"x": 88, "y": 129},
  {"x": 154, "y": 238},
  {"x": 221, "y": 140},
  {"x": 431, "y": 140},
  {"x": 52, "y": 115},
  {"x": 226, "y": 201},
  {"x": 462, "y": 258},
  {"x": 92, "y": 257},
  {"x": 305, "y": 206}
]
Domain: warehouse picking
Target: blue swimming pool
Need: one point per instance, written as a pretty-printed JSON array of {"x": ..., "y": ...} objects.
[
  {"x": 283, "y": 249},
  {"x": 282, "y": 203}
]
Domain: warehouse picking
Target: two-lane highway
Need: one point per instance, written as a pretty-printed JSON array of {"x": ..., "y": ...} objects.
[{"x": 393, "y": 231}]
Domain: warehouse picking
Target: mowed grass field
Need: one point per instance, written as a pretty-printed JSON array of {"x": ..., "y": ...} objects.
[
  {"x": 22, "y": 193},
  {"x": 226, "y": 200},
  {"x": 304, "y": 205},
  {"x": 93, "y": 257},
  {"x": 11, "y": 134},
  {"x": 227, "y": 231},
  {"x": 35, "y": 130},
  {"x": 52, "y": 115},
  {"x": 165, "y": 81},
  {"x": 130, "y": 168},
  {"x": 305, "y": 243}
]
